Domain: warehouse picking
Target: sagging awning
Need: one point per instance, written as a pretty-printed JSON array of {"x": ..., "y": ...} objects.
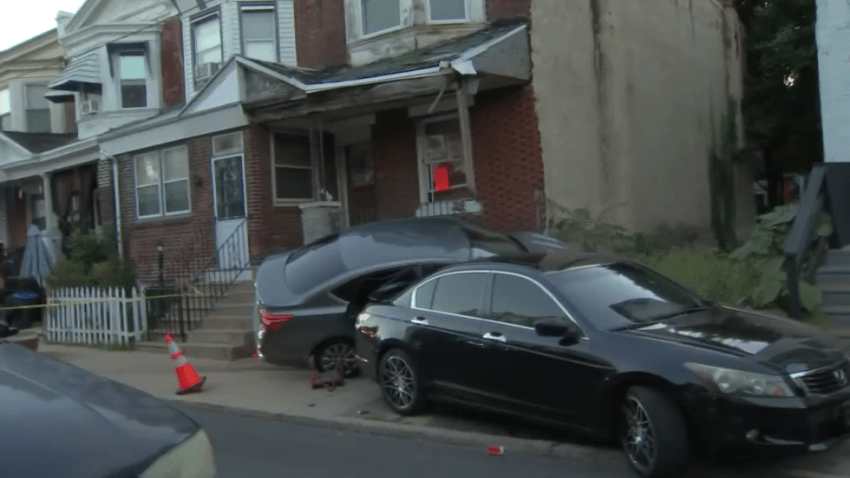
[
  {"x": 59, "y": 96},
  {"x": 84, "y": 69}
]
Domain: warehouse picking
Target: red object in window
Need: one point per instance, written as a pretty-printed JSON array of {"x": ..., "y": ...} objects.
[{"x": 441, "y": 178}]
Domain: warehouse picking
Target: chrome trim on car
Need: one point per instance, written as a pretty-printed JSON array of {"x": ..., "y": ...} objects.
[
  {"x": 838, "y": 372},
  {"x": 492, "y": 271}
]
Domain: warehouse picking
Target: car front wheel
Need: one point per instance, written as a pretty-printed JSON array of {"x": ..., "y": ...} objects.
[
  {"x": 653, "y": 433},
  {"x": 399, "y": 382}
]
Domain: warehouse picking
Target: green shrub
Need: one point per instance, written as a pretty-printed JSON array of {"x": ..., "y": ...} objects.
[
  {"x": 92, "y": 262},
  {"x": 113, "y": 273},
  {"x": 68, "y": 273}
]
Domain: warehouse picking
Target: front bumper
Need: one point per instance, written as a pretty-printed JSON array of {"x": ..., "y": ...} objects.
[{"x": 808, "y": 424}]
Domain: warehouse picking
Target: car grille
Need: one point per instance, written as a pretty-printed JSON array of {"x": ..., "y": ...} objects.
[{"x": 825, "y": 380}]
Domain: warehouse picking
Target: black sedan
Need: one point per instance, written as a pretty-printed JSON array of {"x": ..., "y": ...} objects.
[
  {"x": 611, "y": 349},
  {"x": 59, "y": 420},
  {"x": 308, "y": 299}
]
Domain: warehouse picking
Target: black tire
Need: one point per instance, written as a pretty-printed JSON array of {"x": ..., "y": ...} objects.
[
  {"x": 398, "y": 378},
  {"x": 338, "y": 352},
  {"x": 663, "y": 422}
]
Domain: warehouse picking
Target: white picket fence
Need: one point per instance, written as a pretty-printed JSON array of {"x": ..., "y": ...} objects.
[{"x": 90, "y": 315}]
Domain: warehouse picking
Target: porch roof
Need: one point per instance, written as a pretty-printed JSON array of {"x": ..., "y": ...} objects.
[
  {"x": 84, "y": 69},
  {"x": 37, "y": 143},
  {"x": 424, "y": 59}
]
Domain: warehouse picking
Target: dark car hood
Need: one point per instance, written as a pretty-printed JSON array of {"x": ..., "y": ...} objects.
[
  {"x": 59, "y": 420},
  {"x": 782, "y": 343}
]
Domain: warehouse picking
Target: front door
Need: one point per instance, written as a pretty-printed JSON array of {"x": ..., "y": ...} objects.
[{"x": 231, "y": 228}]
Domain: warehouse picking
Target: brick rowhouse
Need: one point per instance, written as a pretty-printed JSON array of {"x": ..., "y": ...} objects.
[{"x": 320, "y": 33}]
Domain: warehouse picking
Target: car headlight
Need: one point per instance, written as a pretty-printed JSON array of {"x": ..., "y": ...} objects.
[
  {"x": 193, "y": 458},
  {"x": 738, "y": 382}
]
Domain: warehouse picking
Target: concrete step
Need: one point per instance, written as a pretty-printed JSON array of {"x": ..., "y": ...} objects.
[
  {"x": 221, "y": 336},
  {"x": 838, "y": 257},
  {"x": 229, "y": 322}
]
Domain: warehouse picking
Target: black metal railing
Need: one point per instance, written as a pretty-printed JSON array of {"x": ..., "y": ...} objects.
[
  {"x": 803, "y": 255},
  {"x": 196, "y": 281}
]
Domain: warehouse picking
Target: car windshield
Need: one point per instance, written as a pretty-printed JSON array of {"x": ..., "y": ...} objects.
[
  {"x": 620, "y": 295},
  {"x": 486, "y": 243}
]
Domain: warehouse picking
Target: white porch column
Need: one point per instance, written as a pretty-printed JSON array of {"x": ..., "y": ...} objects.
[{"x": 49, "y": 216}]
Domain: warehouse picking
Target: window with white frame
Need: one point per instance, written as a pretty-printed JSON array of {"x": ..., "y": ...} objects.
[
  {"x": 38, "y": 109},
  {"x": 259, "y": 40},
  {"x": 162, "y": 182},
  {"x": 380, "y": 15},
  {"x": 442, "y": 166},
  {"x": 5, "y": 109},
  {"x": 132, "y": 74},
  {"x": 447, "y": 10},
  {"x": 293, "y": 167},
  {"x": 206, "y": 41}
]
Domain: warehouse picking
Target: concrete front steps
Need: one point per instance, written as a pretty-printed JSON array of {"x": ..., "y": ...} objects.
[
  {"x": 833, "y": 280},
  {"x": 226, "y": 332}
]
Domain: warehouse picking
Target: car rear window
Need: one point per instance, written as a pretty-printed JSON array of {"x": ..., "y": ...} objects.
[
  {"x": 314, "y": 264},
  {"x": 487, "y": 243}
]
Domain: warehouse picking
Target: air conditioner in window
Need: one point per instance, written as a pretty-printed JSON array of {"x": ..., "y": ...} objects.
[
  {"x": 89, "y": 107},
  {"x": 206, "y": 70}
]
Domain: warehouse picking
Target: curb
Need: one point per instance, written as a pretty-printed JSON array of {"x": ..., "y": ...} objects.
[{"x": 588, "y": 454}]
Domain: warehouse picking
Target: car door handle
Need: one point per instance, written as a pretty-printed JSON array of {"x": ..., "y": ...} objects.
[
  {"x": 495, "y": 336},
  {"x": 420, "y": 320}
]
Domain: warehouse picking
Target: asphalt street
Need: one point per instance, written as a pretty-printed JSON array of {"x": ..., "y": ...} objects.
[{"x": 247, "y": 446}]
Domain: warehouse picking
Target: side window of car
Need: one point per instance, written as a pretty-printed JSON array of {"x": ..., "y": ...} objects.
[
  {"x": 425, "y": 295},
  {"x": 461, "y": 294},
  {"x": 519, "y": 301}
]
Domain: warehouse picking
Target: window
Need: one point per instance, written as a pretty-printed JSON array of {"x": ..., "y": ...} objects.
[
  {"x": 258, "y": 33},
  {"x": 133, "y": 75},
  {"x": 5, "y": 107},
  {"x": 620, "y": 295},
  {"x": 206, "y": 37},
  {"x": 443, "y": 165},
  {"x": 461, "y": 294},
  {"x": 425, "y": 295},
  {"x": 380, "y": 15},
  {"x": 38, "y": 109},
  {"x": 447, "y": 10},
  {"x": 293, "y": 168},
  {"x": 519, "y": 301},
  {"x": 162, "y": 182}
]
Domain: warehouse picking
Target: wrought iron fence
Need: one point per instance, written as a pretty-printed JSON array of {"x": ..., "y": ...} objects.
[{"x": 178, "y": 303}]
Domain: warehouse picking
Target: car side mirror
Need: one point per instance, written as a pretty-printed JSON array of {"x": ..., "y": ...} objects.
[{"x": 557, "y": 327}]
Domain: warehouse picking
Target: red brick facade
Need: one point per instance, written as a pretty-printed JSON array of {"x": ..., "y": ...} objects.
[
  {"x": 502, "y": 9},
  {"x": 171, "y": 60},
  {"x": 320, "y": 33}
]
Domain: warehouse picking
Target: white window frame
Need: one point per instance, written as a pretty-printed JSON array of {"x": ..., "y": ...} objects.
[
  {"x": 425, "y": 185},
  {"x": 467, "y": 6},
  {"x": 5, "y": 99},
  {"x": 314, "y": 177},
  {"x": 215, "y": 16},
  {"x": 251, "y": 7},
  {"x": 160, "y": 154},
  {"x": 120, "y": 82},
  {"x": 362, "y": 21}
]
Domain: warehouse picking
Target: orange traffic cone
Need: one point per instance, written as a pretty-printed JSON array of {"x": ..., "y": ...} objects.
[{"x": 187, "y": 377}]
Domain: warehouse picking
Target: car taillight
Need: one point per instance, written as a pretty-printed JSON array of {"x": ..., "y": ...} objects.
[{"x": 273, "y": 321}]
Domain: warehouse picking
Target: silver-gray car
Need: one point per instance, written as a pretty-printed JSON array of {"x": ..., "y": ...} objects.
[{"x": 307, "y": 300}]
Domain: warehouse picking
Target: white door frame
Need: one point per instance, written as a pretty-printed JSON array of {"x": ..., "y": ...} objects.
[{"x": 245, "y": 275}]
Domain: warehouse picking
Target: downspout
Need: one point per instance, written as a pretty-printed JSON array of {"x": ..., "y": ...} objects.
[{"x": 116, "y": 190}]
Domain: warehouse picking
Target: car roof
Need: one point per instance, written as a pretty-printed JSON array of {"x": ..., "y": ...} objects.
[{"x": 545, "y": 262}]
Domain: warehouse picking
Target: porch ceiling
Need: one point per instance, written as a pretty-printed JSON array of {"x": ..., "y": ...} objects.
[{"x": 496, "y": 56}]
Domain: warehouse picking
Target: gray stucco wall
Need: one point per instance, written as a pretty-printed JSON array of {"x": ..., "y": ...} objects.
[{"x": 628, "y": 93}]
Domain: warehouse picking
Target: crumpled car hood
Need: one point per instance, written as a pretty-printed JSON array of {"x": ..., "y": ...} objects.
[{"x": 59, "y": 420}]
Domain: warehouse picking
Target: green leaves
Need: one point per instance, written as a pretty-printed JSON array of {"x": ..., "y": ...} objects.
[{"x": 810, "y": 296}]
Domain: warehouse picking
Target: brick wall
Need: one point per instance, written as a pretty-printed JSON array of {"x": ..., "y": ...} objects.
[
  {"x": 320, "y": 33},
  {"x": 508, "y": 157},
  {"x": 70, "y": 117},
  {"x": 269, "y": 227},
  {"x": 500, "y": 9},
  {"x": 184, "y": 237},
  {"x": 171, "y": 59},
  {"x": 395, "y": 163},
  {"x": 107, "y": 194}
]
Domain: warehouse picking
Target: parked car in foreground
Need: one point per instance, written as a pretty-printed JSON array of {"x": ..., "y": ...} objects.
[
  {"x": 611, "y": 349},
  {"x": 307, "y": 299},
  {"x": 59, "y": 420}
]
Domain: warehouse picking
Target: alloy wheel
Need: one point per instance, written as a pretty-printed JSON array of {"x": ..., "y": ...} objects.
[
  {"x": 339, "y": 355},
  {"x": 638, "y": 435},
  {"x": 398, "y": 383}
]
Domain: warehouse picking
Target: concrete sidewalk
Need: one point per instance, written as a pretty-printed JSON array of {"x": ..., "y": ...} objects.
[{"x": 255, "y": 388}]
